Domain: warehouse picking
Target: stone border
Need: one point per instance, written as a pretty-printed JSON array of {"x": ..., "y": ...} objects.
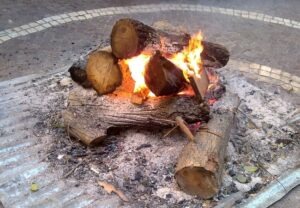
[
  {"x": 284, "y": 79},
  {"x": 267, "y": 74},
  {"x": 60, "y": 19}
]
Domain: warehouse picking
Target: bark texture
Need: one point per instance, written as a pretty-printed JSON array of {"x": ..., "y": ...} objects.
[
  {"x": 200, "y": 165},
  {"x": 96, "y": 117}
]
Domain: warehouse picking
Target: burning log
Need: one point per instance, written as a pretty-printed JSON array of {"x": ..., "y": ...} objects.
[
  {"x": 213, "y": 55},
  {"x": 200, "y": 165},
  {"x": 103, "y": 72},
  {"x": 163, "y": 77},
  {"x": 91, "y": 122},
  {"x": 130, "y": 37}
]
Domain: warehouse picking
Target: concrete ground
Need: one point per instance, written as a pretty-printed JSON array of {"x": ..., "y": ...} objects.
[{"x": 263, "y": 32}]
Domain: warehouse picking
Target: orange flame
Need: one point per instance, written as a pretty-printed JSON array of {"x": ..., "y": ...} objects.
[{"x": 188, "y": 60}]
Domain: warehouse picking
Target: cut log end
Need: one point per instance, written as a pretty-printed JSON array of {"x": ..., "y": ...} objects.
[
  {"x": 124, "y": 39},
  {"x": 197, "y": 181},
  {"x": 163, "y": 77},
  {"x": 103, "y": 72},
  {"x": 199, "y": 169}
]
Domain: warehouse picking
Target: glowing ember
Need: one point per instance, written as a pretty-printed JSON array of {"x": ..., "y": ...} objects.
[
  {"x": 137, "y": 68},
  {"x": 188, "y": 60}
]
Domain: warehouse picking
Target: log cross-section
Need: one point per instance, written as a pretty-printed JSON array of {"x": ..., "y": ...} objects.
[{"x": 163, "y": 77}]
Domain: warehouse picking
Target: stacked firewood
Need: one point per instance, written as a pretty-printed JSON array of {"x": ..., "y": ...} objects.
[
  {"x": 100, "y": 68},
  {"x": 91, "y": 118}
]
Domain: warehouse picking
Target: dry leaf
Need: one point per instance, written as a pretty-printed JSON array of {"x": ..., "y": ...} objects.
[
  {"x": 34, "y": 187},
  {"x": 109, "y": 188},
  {"x": 250, "y": 169}
]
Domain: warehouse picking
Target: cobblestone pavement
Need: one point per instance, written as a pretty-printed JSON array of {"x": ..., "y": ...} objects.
[{"x": 42, "y": 36}]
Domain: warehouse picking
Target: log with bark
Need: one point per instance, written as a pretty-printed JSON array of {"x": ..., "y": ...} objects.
[
  {"x": 78, "y": 68},
  {"x": 163, "y": 77},
  {"x": 130, "y": 37},
  {"x": 200, "y": 165},
  {"x": 98, "y": 69},
  {"x": 213, "y": 55},
  {"x": 90, "y": 118},
  {"x": 174, "y": 40}
]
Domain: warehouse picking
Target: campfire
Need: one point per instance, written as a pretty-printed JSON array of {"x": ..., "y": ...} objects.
[{"x": 156, "y": 78}]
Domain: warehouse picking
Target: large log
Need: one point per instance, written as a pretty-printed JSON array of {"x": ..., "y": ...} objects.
[
  {"x": 103, "y": 72},
  {"x": 200, "y": 165},
  {"x": 130, "y": 37},
  {"x": 213, "y": 55},
  {"x": 163, "y": 77},
  {"x": 90, "y": 118}
]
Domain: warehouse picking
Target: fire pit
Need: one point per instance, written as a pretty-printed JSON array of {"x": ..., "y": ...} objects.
[
  {"x": 142, "y": 164},
  {"x": 156, "y": 79}
]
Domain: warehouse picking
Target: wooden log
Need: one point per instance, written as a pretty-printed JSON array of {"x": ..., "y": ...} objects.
[
  {"x": 78, "y": 72},
  {"x": 130, "y": 37},
  {"x": 90, "y": 118},
  {"x": 78, "y": 68},
  {"x": 213, "y": 55},
  {"x": 103, "y": 72},
  {"x": 200, "y": 165},
  {"x": 163, "y": 77}
]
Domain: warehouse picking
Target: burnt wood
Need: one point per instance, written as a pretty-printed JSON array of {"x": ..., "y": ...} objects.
[
  {"x": 163, "y": 77},
  {"x": 90, "y": 118}
]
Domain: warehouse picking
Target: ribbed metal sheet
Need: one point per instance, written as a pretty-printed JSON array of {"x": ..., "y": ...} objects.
[{"x": 21, "y": 153}]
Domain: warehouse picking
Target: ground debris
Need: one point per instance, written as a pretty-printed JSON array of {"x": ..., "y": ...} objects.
[{"x": 109, "y": 188}]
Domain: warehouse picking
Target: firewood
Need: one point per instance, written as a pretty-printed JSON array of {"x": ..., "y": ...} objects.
[
  {"x": 200, "y": 165},
  {"x": 163, "y": 77},
  {"x": 213, "y": 55},
  {"x": 90, "y": 118},
  {"x": 185, "y": 129},
  {"x": 199, "y": 84},
  {"x": 130, "y": 37},
  {"x": 103, "y": 72},
  {"x": 78, "y": 68},
  {"x": 78, "y": 73}
]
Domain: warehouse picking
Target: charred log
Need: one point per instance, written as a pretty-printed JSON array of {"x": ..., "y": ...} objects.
[
  {"x": 90, "y": 118},
  {"x": 163, "y": 77},
  {"x": 214, "y": 55}
]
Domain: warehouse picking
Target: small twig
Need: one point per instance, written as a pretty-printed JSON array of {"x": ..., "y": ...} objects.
[
  {"x": 184, "y": 128},
  {"x": 71, "y": 171},
  {"x": 169, "y": 132},
  {"x": 254, "y": 124},
  {"x": 262, "y": 167},
  {"x": 210, "y": 132}
]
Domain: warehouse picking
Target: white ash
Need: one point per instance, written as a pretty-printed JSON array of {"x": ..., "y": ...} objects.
[{"x": 141, "y": 163}]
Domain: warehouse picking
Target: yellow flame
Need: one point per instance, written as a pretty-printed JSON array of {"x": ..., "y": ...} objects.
[
  {"x": 188, "y": 60},
  {"x": 137, "y": 69}
]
